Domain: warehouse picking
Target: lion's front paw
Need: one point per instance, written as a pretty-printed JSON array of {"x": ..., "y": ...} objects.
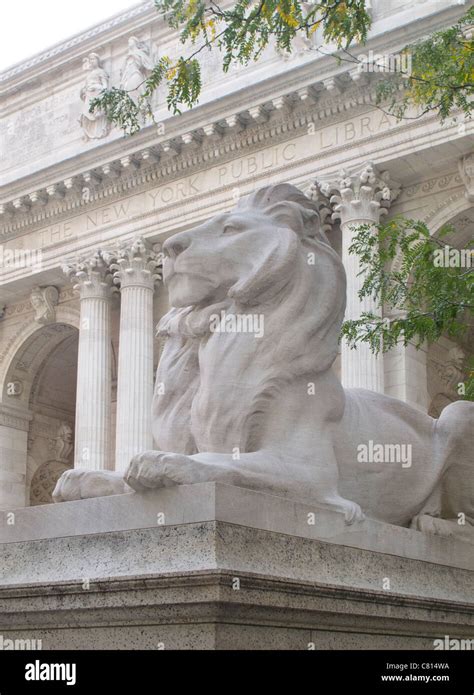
[
  {"x": 154, "y": 469},
  {"x": 79, "y": 484},
  {"x": 351, "y": 510},
  {"x": 67, "y": 487},
  {"x": 149, "y": 470}
]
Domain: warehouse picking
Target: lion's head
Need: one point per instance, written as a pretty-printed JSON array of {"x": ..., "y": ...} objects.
[
  {"x": 246, "y": 254},
  {"x": 270, "y": 253}
]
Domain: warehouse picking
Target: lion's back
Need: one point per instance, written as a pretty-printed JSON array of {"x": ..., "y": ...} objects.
[{"x": 386, "y": 452}]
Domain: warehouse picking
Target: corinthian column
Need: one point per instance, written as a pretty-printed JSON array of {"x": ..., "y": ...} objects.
[
  {"x": 93, "y": 280},
  {"x": 135, "y": 272},
  {"x": 359, "y": 198}
]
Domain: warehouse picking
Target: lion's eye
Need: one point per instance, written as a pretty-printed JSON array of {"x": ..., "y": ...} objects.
[{"x": 230, "y": 229}]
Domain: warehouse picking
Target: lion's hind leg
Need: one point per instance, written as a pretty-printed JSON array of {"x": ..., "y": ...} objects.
[
  {"x": 448, "y": 528},
  {"x": 456, "y": 518},
  {"x": 450, "y": 509},
  {"x": 457, "y": 486}
]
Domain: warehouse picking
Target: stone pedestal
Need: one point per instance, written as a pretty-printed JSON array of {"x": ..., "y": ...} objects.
[{"x": 218, "y": 567}]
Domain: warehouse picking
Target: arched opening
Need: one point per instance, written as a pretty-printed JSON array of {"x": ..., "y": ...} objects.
[
  {"x": 41, "y": 381},
  {"x": 447, "y": 359},
  {"x": 52, "y": 404}
]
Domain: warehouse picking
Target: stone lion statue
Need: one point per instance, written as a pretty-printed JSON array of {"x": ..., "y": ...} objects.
[{"x": 245, "y": 391}]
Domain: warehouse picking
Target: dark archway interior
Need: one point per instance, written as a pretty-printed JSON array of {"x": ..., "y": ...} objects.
[
  {"x": 448, "y": 360},
  {"x": 52, "y": 403}
]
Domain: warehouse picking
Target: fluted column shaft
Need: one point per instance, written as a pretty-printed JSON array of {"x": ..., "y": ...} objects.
[
  {"x": 135, "y": 272},
  {"x": 359, "y": 198},
  {"x": 93, "y": 281},
  {"x": 360, "y": 368}
]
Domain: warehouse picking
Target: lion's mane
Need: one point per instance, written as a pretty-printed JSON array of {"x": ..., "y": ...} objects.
[{"x": 300, "y": 288}]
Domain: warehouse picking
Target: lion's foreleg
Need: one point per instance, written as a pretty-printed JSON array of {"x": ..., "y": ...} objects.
[
  {"x": 284, "y": 475},
  {"x": 261, "y": 470},
  {"x": 164, "y": 469},
  {"x": 321, "y": 477}
]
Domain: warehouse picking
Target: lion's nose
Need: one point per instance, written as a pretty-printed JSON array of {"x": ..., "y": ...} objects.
[{"x": 176, "y": 245}]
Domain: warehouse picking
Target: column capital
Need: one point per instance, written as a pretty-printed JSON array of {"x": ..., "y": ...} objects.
[
  {"x": 91, "y": 275},
  {"x": 136, "y": 264},
  {"x": 466, "y": 171},
  {"x": 359, "y": 196},
  {"x": 314, "y": 193}
]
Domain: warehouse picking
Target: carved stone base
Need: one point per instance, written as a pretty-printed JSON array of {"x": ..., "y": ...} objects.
[{"x": 218, "y": 567}]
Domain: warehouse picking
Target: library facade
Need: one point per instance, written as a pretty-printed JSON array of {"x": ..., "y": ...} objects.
[{"x": 84, "y": 212}]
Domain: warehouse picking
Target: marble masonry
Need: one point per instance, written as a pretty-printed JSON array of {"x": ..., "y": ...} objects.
[{"x": 170, "y": 373}]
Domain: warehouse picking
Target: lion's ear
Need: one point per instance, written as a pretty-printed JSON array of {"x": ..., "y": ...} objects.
[
  {"x": 303, "y": 221},
  {"x": 271, "y": 271}
]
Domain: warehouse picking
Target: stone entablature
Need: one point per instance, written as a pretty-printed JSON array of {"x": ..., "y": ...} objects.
[
  {"x": 204, "y": 143},
  {"x": 289, "y": 158},
  {"x": 60, "y": 71}
]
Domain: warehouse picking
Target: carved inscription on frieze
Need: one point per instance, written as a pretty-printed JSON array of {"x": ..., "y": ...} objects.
[{"x": 266, "y": 161}]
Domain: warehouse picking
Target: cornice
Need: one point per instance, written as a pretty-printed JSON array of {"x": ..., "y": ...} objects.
[
  {"x": 165, "y": 159},
  {"x": 301, "y": 72},
  {"x": 277, "y": 87}
]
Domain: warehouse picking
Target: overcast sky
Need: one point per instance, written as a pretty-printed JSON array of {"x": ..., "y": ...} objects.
[{"x": 30, "y": 26}]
